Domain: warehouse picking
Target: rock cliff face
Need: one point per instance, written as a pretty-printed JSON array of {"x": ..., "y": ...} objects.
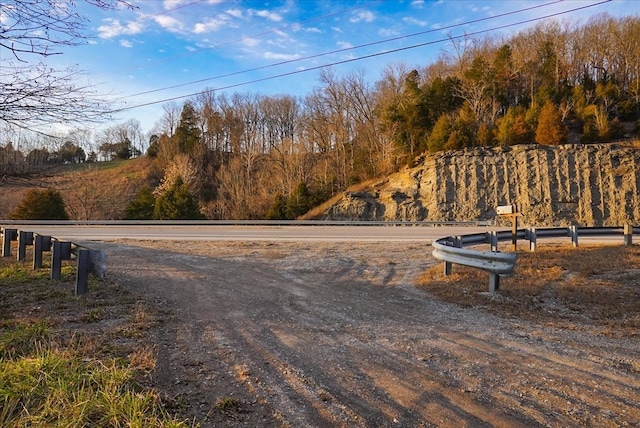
[{"x": 588, "y": 185}]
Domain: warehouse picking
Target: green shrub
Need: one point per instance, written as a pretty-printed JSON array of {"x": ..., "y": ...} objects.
[{"x": 39, "y": 204}]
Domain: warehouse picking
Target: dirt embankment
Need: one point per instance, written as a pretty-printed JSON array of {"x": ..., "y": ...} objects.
[
  {"x": 338, "y": 334},
  {"x": 589, "y": 185}
]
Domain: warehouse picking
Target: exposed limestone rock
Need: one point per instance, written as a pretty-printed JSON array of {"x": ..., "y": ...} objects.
[{"x": 589, "y": 185}]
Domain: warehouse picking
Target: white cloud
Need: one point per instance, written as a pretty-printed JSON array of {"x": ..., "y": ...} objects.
[
  {"x": 236, "y": 13},
  {"x": 414, "y": 21},
  {"x": 337, "y": 29},
  {"x": 271, "y": 16},
  {"x": 313, "y": 30},
  {"x": 168, "y": 23},
  {"x": 388, "y": 32},
  {"x": 250, "y": 42},
  {"x": 417, "y": 3},
  {"x": 126, "y": 44},
  {"x": 365, "y": 16},
  {"x": 344, "y": 45},
  {"x": 280, "y": 56},
  {"x": 170, "y": 4},
  {"x": 114, "y": 28},
  {"x": 213, "y": 24}
]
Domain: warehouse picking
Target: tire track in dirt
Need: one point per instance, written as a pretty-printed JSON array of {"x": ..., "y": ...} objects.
[{"x": 337, "y": 335}]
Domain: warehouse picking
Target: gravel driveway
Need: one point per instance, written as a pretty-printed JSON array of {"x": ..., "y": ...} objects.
[{"x": 338, "y": 335}]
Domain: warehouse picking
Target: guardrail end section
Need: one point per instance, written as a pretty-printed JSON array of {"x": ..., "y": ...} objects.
[{"x": 98, "y": 263}]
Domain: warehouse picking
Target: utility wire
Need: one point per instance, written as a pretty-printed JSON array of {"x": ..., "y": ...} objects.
[
  {"x": 501, "y": 27},
  {"x": 263, "y": 33},
  {"x": 235, "y": 73}
]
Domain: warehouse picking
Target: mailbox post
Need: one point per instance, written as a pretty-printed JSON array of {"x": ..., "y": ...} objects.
[{"x": 511, "y": 212}]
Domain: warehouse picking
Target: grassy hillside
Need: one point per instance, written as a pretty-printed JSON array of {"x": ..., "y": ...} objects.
[{"x": 91, "y": 191}]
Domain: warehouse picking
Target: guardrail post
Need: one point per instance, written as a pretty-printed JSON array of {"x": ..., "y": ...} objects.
[
  {"x": 41, "y": 243},
  {"x": 454, "y": 242},
  {"x": 61, "y": 251},
  {"x": 82, "y": 270},
  {"x": 573, "y": 233},
  {"x": 628, "y": 234},
  {"x": 533, "y": 237},
  {"x": 494, "y": 282},
  {"x": 24, "y": 239},
  {"x": 493, "y": 240},
  {"x": 8, "y": 235}
]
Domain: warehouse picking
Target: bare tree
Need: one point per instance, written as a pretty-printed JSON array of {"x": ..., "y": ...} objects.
[{"x": 31, "y": 92}]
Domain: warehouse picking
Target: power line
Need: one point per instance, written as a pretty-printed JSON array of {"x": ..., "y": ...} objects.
[
  {"x": 235, "y": 73},
  {"x": 263, "y": 33},
  {"x": 501, "y": 27}
]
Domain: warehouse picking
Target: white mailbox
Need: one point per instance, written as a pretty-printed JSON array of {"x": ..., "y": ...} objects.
[{"x": 505, "y": 209}]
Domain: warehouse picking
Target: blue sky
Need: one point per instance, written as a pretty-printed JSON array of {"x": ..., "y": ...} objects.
[{"x": 165, "y": 49}]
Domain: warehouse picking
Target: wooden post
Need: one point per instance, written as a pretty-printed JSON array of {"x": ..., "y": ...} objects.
[
  {"x": 82, "y": 271},
  {"x": 61, "y": 251},
  {"x": 24, "y": 239},
  {"x": 512, "y": 213},
  {"x": 8, "y": 235},
  {"x": 41, "y": 243},
  {"x": 514, "y": 232},
  {"x": 628, "y": 234}
]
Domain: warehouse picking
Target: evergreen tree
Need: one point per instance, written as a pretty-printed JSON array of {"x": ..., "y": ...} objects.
[
  {"x": 278, "y": 210},
  {"x": 187, "y": 134},
  {"x": 513, "y": 128},
  {"x": 439, "y": 136},
  {"x": 299, "y": 201},
  {"x": 142, "y": 207},
  {"x": 39, "y": 204},
  {"x": 177, "y": 203},
  {"x": 550, "y": 129}
]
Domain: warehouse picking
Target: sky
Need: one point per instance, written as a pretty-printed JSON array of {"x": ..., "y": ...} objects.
[{"x": 169, "y": 50}]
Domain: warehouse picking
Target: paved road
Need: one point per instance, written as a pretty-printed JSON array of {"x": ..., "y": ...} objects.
[{"x": 252, "y": 233}]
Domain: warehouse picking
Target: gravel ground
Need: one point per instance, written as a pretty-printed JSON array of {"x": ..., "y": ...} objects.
[{"x": 339, "y": 334}]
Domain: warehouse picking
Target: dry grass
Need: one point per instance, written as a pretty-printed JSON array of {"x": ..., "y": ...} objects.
[
  {"x": 83, "y": 187},
  {"x": 74, "y": 361},
  {"x": 587, "y": 287},
  {"x": 319, "y": 211}
]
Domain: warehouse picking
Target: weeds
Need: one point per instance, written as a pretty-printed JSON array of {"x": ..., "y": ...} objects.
[
  {"x": 227, "y": 403},
  {"x": 52, "y": 374},
  {"x": 599, "y": 286}
]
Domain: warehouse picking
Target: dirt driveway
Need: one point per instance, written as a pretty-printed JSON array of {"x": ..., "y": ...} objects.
[{"x": 338, "y": 335}]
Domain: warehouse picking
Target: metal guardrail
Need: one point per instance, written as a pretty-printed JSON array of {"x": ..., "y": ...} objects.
[
  {"x": 496, "y": 264},
  {"x": 363, "y": 223},
  {"x": 450, "y": 249},
  {"x": 87, "y": 260}
]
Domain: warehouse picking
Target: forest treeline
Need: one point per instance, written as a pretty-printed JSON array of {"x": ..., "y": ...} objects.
[{"x": 255, "y": 156}]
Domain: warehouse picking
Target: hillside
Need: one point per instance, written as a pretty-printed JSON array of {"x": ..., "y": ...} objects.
[
  {"x": 99, "y": 190},
  {"x": 583, "y": 184}
]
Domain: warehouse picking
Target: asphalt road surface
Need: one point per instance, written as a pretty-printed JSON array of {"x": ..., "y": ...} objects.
[{"x": 251, "y": 233}]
